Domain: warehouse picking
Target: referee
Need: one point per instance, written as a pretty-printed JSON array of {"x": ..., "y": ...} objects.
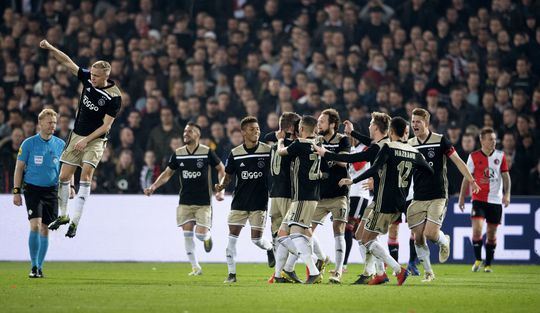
[{"x": 37, "y": 169}]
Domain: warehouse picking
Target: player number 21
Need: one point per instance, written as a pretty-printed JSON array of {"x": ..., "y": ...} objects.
[{"x": 314, "y": 171}]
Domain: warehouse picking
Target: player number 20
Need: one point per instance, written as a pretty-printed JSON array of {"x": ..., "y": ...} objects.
[{"x": 404, "y": 168}]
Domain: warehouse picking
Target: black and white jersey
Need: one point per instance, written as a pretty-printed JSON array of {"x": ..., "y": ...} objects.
[
  {"x": 394, "y": 165},
  {"x": 306, "y": 170},
  {"x": 251, "y": 169},
  {"x": 436, "y": 150},
  {"x": 280, "y": 169},
  {"x": 338, "y": 144},
  {"x": 95, "y": 103},
  {"x": 195, "y": 173}
]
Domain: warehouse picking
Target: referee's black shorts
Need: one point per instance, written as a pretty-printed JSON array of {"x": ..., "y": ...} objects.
[{"x": 41, "y": 202}]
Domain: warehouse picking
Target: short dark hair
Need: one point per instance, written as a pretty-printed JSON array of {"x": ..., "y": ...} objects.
[
  {"x": 309, "y": 122},
  {"x": 288, "y": 119},
  {"x": 398, "y": 126},
  {"x": 487, "y": 130},
  {"x": 248, "y": 120},
  {"x": 192, "y": 124},
  {"x": 333, "y": 117}
]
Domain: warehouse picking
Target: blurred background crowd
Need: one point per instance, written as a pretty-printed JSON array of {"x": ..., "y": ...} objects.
[{"x": 469, "y": 63}]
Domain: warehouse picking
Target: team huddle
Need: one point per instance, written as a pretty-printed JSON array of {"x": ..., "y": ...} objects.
[{"x": 307, "y": 169}]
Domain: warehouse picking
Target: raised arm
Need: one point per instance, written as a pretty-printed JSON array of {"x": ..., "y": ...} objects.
[{"x": 60, "y": 56}]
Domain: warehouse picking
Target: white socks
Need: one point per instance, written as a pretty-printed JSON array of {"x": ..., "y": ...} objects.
[
  {"x": 231, "y": 254},
  {"x": 319, "y": 253},
  {"x": 423, "y": 255},
  {"x": 203, "y": 237},
  {"x": 291, "y": 262},
  {"x": 378, "y": 251},
  {"x": 304, "y": 252},
  {"x": 442, "y": 241},
  {"x": 190, "y": 249},
  {"x": 262, "y": 243},
  {"x": 63, "y": 195},
  {"x": 82, "y": 196},
  {"x": 281, "y": 257},
  {"x": 340, "y": 252}
]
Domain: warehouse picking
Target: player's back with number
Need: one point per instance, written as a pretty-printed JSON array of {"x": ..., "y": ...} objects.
[
  {"x": 305, "y": 170},
  {"x": 400, "y": 161}
]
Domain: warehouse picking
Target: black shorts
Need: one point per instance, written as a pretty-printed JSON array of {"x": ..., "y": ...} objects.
[
  {"x": 489, "y": 211},
  {"x": 41, "y": 202}
]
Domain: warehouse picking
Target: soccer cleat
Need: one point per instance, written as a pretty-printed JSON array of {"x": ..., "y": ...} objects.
[
  {"x": 444, "y": 251},
  {"x": 335, "y": 278},
  {"x": 362, "y": 280},
  {"x": 72, "y": 230},
  {"x": 208, "y": 244},
  {"x": 230, "y": 279},
  {"x": 314, "y": 279},
  {"x": 379, "y": 279},
  {"x": 411, "y": 267},
  {"x": 61, "y": 220},
  {"x": 33, "y": 272},
  {"x": 402, "y": 276},
  {"x": 291, "y": 276},
  {"x": 271, "y": 258},
  {"x": 281, "y": 280},
  {"x": 476, "y": 266},
  {"x": 428, "y": 277},
  {"x": 39, "y": 273},
  {"x": 195, "y": 271},
  {"x": 321, "y": 264},
  {"x": 488, "y": 269}
]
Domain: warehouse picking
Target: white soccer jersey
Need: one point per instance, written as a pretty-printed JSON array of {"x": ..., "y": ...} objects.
[
  {"x": 487, "y": 171},
  {"x": 355, "y": 170}
]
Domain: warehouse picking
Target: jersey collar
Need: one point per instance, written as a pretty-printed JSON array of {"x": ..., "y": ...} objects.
[
  {"x": 427, "y": 138},
  {"x": 192, "y": 153}
]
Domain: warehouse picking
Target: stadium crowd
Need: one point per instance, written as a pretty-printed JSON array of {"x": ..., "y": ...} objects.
[{"x": 470, "y": 64}]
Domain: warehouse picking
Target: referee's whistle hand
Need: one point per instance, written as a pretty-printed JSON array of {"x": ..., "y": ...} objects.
[{"x": 17, "y": 200}]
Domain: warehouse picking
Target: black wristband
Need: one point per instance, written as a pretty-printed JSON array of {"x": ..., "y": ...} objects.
[{"x": 16, "y": 190}]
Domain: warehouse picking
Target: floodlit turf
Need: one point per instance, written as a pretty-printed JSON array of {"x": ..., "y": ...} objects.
[{"x": 165, "y": 287}]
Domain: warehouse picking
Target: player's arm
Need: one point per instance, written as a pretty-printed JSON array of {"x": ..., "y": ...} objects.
[
  {"x": 17, "y": 182},
  {"x": 224, "y": 182},
  {"x": 160, "y": 181},
  {"x": 465, "y": 184},
  {"x": 282, "y": 150},
  {"x": 60, "y": 57},
  {"x": 100, "y": 131},
  {"x": 462, "y": 167},
  {"x": 381, "y": 158},
  {"x": 367, "y": 155},
  {"x": 349, "y": 130},
  {"x": 220, "y": 168},
  {"x": 507, "y": 185},
  {"x": 230, "y": 170}
]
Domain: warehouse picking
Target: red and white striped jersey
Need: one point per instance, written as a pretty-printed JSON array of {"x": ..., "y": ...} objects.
[
  {"x": 356, "y": 169},
  {"x": 487, "y": 171}
]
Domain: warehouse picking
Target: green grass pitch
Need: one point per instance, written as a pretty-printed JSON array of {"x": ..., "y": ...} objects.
[{"x": 165, "y": 287}]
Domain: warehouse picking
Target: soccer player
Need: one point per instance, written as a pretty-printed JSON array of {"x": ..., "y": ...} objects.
[
  {"x": 280, "y": 193},
  {"x": 378, "y": 130},
  {"x": 359, "y": 199},
  {"x": 334, "y": 198},
  {"x": 426, "y": 213},
  {"x": 194, "y": 161},
  {"x": 306, "y": 175},
  {"x": 250, "y": 163},
  {"x": 100, "y": 102},
  {"x": 394, "y": 165},
  {"x": 490, "y": 170},
  {"x": 36, "y": 171}
]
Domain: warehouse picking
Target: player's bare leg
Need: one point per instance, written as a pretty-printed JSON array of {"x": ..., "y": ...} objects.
[{"x": 433, "y": 233}]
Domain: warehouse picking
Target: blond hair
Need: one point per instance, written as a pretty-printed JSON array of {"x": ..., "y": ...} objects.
[
  {"x": 45, "y": 113},
  {"x": 103, "y": 65},
  {"x": 422, "y": 113}
]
